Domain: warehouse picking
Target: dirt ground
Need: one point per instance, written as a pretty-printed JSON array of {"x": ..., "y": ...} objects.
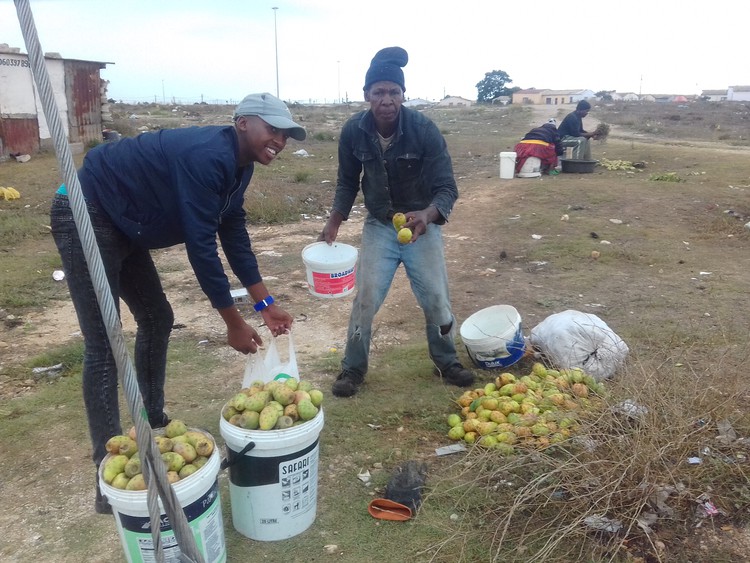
[{"x": 487, "y": 241}]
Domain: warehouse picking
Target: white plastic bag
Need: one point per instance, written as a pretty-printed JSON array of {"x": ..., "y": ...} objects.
[
  {"x": 270, "y": 366},
  {"x": 574, "y": 339}
]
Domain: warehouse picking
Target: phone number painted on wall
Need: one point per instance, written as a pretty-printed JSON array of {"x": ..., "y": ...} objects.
[{"x": 14, "y": 62}]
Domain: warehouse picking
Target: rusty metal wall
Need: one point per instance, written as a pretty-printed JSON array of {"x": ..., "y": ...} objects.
[
  {"x": 19, "y": 135},
  {"x": 83, "y": 91}
]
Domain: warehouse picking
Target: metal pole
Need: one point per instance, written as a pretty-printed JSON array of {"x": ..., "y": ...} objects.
[{"x": 276, "y": 44}]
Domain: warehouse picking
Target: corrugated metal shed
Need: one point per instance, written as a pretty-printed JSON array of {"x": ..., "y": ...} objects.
[{"x": 78, "y": 89}]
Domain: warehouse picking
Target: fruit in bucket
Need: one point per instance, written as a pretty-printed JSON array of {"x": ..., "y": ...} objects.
[
  {"x": 275, "y": 405},
  {"x": 187, "y": 448}
]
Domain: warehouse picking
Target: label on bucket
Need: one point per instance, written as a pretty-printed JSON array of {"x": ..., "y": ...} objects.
[
  {"x": 335, "y": 283},
  {"x": 274, "y": 497},
  {"x": 204, "y": 518}
]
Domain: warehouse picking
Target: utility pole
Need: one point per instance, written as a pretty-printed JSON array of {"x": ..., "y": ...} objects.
[{"x": 276, "y": 44}]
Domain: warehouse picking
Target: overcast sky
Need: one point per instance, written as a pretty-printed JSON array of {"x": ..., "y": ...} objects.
[{"x": 220, "y": 50}]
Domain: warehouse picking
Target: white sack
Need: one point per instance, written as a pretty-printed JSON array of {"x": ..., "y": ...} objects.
[{"x": 573, "y": 339}]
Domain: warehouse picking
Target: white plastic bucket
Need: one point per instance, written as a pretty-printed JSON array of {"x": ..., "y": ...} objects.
[
  {"x": 507, "y": 165},
  {"x": 331, "y": 269},
  {"x": 532, "y": 168},
  {"x": 493, "y": 337},
  {"x": 198, "y": 495},
  {"x": 273, "y": 486}
]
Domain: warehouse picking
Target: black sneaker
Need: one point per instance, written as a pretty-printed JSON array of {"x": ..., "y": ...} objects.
[
  {"x": 159, "y": 421},
  {"x": 455, "y": 374},
  {"x": 101, "y": 505},
  {"x": 346, "y": 384}
]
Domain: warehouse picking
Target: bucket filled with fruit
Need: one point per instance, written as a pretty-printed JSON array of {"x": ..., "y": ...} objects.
[
  {"x": 272, "y": 434},
  {"x": 192, "y": 461}
]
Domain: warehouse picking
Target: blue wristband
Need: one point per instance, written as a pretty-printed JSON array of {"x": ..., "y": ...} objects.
[{"x": 262, "y": 304}]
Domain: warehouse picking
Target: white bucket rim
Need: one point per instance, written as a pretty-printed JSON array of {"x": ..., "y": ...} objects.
[
  {"x": 338, "y": 256},
  {"x": 472, "y": 321}
]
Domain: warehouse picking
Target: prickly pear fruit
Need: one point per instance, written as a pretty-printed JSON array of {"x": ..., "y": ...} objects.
[
  {"x": 113, "y": 466},
  {"x": 136, "y": 483},
  {"x": 249, "y": 420},
  {"x": 172, "y": 477},
  {"x": 238, "y": 402},
  {"x": 114, "y": 444},
  {"x": 291, "y": 411},
  {"x": 257, "y": 401},
  {"x": 278, "y": 406},
  {"x": 200, "y": 461},
  {"x": 186, "y": 451},
  {"x": 173, "y": 461},
  {"x": 133, "y": 466},
  {"x": 187, "y": 470},
  {"x": 163, "y": 443},
  {"x": 268, "y": 417},
  {"x": 283, "y": 422},
  {"x": 175, "y": 428},
  {"x": 301, "y": 395},
  {"x": 283, "y": 395},
  {"x": 316, "y": 396},
  {"x": 120, "y": 481},
  {"x": 204, "y": 447},
  {"x": 306, "y": 409}
]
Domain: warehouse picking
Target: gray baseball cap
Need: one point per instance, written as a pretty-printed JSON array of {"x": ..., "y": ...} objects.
[{"x": 271, "y": 110}]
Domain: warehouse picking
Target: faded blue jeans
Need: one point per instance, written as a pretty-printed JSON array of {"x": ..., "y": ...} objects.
[
  {"x": 424, "y": 261},
  {"x": 132, "y": 276}
]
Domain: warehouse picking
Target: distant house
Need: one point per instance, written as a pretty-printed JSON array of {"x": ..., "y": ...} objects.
[
  {"x": 529, "y": 96},
  {"x": 714, "y": 95},
  {"x": 78, "y": 89},
  {"x": 647, "y": 98},
  {"x": 502, "y": 100},
  {"x": 455, "y": 102},
  {"x": 533, "y": 96},
  {"x": 678, "y": 99},
  {"x": 625, "y": 96},
  {"x": 738, "y": 94},
  {"x": 417, "y": 103}
]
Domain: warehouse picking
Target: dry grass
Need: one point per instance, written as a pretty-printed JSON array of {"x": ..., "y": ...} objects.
[{"x": 630, "y": 470}]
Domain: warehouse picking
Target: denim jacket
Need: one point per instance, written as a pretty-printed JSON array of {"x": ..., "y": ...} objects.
[{"x": 415, "y": 171}]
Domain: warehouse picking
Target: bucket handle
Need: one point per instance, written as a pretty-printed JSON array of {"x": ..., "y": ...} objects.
[{"x": 235, "y": 458}]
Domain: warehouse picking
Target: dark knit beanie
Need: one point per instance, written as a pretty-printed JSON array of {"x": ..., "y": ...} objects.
[{"x": 386, "y": 65}]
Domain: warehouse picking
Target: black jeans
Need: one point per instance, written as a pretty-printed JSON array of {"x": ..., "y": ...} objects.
[{"x": 132, "y": 276}]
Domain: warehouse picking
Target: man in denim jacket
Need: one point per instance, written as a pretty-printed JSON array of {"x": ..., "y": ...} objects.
[{"x": 403, "y": 163}]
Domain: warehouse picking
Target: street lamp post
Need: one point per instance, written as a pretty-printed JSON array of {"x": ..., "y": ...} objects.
[{"x": 276, "y": 45}]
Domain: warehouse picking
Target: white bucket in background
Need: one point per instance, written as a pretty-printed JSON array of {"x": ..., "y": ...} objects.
[
  {"x": 532, "y": 168},
  {"x": 507, "y": 165},
  {"x": 331, "y": 269},
  {"x": 198, "y": 496},
  {"x": 493, "y": 337},
  {"x": 273, "y": 487}
]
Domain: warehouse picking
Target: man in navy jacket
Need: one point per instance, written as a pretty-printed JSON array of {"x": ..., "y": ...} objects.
[{"x": 176, "y": 186}]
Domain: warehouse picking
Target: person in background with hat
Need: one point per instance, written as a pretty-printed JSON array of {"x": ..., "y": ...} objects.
[
  {"x": 402, "y": 162},
  {"x": 574, "y": 135},
  {"x": 543, "y": 143},
  {"x": 156, "y": 190}
]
